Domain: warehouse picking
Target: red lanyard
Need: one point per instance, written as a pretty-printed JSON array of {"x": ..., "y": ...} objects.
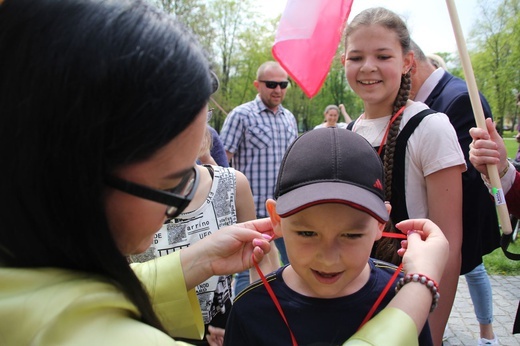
[
  {"x": 369, "y": 314},
  {"x": 274, "y": 299},
  {"x": 382, "y": 295},
  {"x": 388, "y": 129}
]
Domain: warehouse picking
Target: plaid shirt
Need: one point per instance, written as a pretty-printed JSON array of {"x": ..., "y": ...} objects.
[{"x": 258, "y": 138}]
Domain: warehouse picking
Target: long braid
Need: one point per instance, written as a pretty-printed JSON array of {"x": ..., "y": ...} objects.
[
  {"x": 387, "y": 247},
  {"x": 388, "y": 160}
]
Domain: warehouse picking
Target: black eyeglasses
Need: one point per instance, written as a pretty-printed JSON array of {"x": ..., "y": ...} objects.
[
  {"x": 177, "y": 198},
  {"x": 272, "y": 85}
]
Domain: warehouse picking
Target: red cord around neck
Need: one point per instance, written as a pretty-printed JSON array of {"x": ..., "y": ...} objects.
[
  {"x": 274, "y": 299},
  {"x": 383, "y": 141},
  {"x": 369, "y": 314}
]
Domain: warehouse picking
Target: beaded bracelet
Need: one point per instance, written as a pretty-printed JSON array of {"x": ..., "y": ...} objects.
[{"x": 423, "y": 279}]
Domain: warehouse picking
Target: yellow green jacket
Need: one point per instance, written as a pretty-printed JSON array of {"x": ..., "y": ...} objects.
[{"x": 49, "y": 306}]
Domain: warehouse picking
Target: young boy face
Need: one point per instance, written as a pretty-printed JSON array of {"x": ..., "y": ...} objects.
[{"x": 328, "y": 246}]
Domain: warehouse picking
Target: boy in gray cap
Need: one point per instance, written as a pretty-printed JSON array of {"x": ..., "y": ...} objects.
[{"x": 330, "y": 209}]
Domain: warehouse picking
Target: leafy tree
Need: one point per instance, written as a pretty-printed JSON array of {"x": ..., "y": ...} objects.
[
  {"x": 242, "y": 42},
  {"x": 194, "y": 14},
  {"x": 495, "y": 57},
  {"x": 238, "y": 39},
  {"x": 453, "y": 63}
]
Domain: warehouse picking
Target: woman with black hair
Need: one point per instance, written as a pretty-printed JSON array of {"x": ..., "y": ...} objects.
[{"x": 97, "y": 137}]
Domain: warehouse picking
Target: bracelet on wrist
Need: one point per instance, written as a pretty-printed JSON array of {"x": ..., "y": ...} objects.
[
  {"x": 422, "y": 279},
  {"x": 504, "y": 171}
]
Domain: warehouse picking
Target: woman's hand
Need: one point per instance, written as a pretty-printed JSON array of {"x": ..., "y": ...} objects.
[
  {"x": 426, "y": 249},
  {"x": 227, "y": 251},
  {"x": 233, "y": 246}
]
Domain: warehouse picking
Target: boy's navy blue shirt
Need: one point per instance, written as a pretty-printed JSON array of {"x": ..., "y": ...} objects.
[{"x": 254, "y": 319}]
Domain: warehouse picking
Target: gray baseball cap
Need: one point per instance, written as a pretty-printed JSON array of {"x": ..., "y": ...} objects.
[{"x": 331, "y": 165}]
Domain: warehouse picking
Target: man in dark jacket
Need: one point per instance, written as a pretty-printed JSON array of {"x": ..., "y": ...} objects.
[{"x": 448, "y": 94}]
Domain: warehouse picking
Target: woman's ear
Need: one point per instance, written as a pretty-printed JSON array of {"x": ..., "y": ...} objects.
[
  {"x": 343, "y": 57},
  {"x": 270, "y": 205},
  {"x": 408, "y": 60}
]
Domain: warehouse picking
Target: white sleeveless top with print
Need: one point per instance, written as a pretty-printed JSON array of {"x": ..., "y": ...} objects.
[{"x": 217, "y": 211}]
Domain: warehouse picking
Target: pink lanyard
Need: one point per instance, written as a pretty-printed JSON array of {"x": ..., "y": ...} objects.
[{"x": 369, "y": 314}]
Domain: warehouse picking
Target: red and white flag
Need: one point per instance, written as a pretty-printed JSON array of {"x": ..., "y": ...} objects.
[{"x": 307, "y": 39}]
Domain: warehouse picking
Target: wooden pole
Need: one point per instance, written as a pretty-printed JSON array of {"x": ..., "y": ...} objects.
[{"x": 503, "y": 214}]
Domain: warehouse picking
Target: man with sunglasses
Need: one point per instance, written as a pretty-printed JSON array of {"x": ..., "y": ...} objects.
[{"x": 256, "y": 135}]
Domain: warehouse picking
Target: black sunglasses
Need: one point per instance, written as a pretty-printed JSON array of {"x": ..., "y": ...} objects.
[
  {"x": 272, "y": 85},
  {"x": 177, "y": 198}
]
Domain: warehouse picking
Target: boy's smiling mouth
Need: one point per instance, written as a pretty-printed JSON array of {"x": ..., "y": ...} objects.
[{"x": 326, "y": 278}]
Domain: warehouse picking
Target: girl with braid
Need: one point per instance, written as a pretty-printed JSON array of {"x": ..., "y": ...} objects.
[{"x": 423, "y": 161}]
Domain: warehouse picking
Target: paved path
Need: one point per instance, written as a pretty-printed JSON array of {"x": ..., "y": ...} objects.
[{"x": 463, "y": 327}]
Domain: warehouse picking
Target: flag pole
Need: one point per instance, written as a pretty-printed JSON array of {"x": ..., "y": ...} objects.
[{"x": 503, "y": 214}]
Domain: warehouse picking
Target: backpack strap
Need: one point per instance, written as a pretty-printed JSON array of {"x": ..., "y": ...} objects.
[{"x": 398, "y": 200}]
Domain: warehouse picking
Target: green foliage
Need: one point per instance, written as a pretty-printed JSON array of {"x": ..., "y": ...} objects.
[
  {"x": 453, "y": 63},
  {"x": 194, "y": 14},
  {"x": 238, "y": 39},
  {"x": 495, "y": 56},
  {"x": 242, "y": 43}
]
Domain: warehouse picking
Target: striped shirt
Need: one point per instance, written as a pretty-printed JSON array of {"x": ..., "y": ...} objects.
[{"x": 258, "y": 138}]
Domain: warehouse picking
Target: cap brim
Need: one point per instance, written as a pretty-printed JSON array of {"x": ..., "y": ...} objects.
[{"x": 332, "y": 192}]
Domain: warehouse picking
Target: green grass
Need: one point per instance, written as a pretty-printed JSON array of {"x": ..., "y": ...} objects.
[
  {"x": 511, "y": 144},
  {"x": 498, "y": 264}
]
